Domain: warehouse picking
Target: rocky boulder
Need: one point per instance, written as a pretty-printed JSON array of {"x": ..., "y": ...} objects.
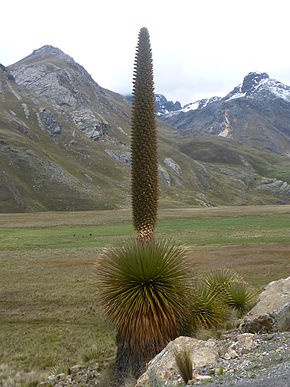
[
  {"x": 47, "y": 122},
  {"x": 164, "y": 366},
  {"x": 272, "y": 312},
  {"x": 206, "y": 357}
]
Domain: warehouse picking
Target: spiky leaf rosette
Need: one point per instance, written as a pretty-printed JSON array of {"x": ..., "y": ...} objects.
[
  {"x": 241, "y": 296},
  {"x": 218, "y": 282},
  {"x": 143, "y": 288},
  {"x": 144, "y": 142},
  {"x": 207, "y": 310}
]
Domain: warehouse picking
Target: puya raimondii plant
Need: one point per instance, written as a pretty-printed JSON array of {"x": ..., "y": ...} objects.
[
  {"x": 144, "y": 142},
  {"x": 143, "y": 284}
]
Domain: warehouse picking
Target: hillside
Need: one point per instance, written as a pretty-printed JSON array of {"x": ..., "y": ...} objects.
[{"x": 65, "y": 145}]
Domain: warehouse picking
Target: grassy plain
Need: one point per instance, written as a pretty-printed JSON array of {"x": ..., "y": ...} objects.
[{"x": 49, "y": 315}]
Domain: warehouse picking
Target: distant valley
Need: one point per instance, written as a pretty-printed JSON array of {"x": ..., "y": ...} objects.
[{"x": 65, "y": 142}]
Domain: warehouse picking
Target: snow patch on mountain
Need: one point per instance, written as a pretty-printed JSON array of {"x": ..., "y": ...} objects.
[
  {"x": 163, "y": 106},
  {"x": 190, "y": 106},
  {"x": 236, "y": 96},
  {"x": 200, "y": 104},
  {"x": 278, "y": 89}
]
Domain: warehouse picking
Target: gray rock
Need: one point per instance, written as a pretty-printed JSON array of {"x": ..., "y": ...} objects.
[
  {"x": 272, "y": 312},
  {"x": 164, "y": 366},
  {"x": 91, "y": 124},
  {"x": 122, "y": 157},
  {"x": 47, "y": 122},
  {"x": 173, "y": 165},
  {"x": 245, "y": 162},
  {"x": 274, "y": 185},
  {"x": 76, "y": 368},
  {"x": 163, "y": 106},
  {"x": 242, "y": 344},
  {"x": 163, "y": 174},
  {"x": 26, "y": 110}
]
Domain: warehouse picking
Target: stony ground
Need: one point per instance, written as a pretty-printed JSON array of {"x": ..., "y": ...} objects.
[
  {"x": 78, "y": 376},
  {"x": 268, "y": 364}
]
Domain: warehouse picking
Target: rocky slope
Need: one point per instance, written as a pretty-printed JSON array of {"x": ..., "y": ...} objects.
[
  {"x": 257, "y": 111},
  {"x": 259, "y": 360},
  {"x": 234, "y": 360},
  {"x": 65, "y": 145}
]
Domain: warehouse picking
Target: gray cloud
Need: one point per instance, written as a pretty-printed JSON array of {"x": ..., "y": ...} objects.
[{"x": 200, "y": 48}]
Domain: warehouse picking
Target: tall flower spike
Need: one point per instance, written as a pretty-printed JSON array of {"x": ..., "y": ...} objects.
[{"x": 144, "y": 142}]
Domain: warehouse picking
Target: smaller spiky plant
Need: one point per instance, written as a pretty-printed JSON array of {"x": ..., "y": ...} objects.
[
  {"x": 217, "y": 282},
  {"x": 207, "y": 310},
  {"x": 184, "y": 364},
  {"x": 215, "y": 299},
  {"x": 240, "y": 297}
]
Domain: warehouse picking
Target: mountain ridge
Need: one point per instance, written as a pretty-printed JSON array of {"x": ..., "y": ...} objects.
[
  {"x": 65, "y": 145},
  {"x": 259, "y": 104}
]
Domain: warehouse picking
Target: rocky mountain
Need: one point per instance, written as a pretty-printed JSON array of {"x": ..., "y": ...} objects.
[
  {"x": 257, "y": 111},
  {"x": 65, "y": 145},
  {"x": 162, "y": 105}
]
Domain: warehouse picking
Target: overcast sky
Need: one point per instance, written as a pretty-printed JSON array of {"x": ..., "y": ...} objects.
[{"x": 201, "y": 48}]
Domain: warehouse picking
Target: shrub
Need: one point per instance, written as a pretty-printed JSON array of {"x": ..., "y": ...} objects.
[
  {"x": 184, "y": 364},
  {"x": 95, "y": 353}
]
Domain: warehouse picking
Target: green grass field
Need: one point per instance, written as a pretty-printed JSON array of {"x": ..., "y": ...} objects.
[{"x": 49, "y": 313}]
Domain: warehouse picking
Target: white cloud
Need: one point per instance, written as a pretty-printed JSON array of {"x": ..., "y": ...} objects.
[{"x": 200, "y": 48}]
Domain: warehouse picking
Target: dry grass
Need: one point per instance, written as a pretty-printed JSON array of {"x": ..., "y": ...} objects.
[
  {"x": 39, "y": 219},
  {"x": 48, "y": 310},
  {"x": 259, "y": 264}
]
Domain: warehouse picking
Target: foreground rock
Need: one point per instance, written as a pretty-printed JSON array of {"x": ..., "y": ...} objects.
[
  {"x": 237, "y": 359},
  {"x": 164, "y": 366},
  {"x": 204, "y": 355},
  {"x": 272, "y": 312}
]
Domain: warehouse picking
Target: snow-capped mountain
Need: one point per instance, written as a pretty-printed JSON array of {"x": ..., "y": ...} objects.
[
  {"x": 200, "y": 104},
  {"x": 65, "y": 144},
  {"x": 162, "y": 104},
  {"x": 259, "y": 85},
  {"x": 256, "y": 111}
]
